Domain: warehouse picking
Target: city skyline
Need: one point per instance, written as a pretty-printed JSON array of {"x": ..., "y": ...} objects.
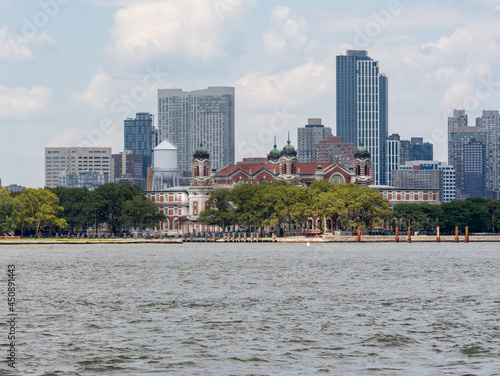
[{"x": 65, "y": 84}]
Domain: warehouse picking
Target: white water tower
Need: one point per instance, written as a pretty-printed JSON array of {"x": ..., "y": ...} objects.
[{"x": 165, "y": 169}]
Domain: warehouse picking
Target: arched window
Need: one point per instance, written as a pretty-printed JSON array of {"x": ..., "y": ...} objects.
[
  {"x": 310, "y": 224},
  {"x": 337, "y": 179},
  {"x": 329, "y": 224}
]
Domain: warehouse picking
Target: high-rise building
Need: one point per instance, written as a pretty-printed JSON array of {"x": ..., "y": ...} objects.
[
  {"x": 405, "y": 151},
  {"x": 474, "y": 169},
  {"x": 334, "y": 150},
  {"x": 141, "y": 138},
  {"x": 128, "y": 169},
  {"x": 188, "y": 119},
  {"x": 362, "y": 106},
  {"x": 489, "y": 123},
  {"x": 427, "y": 175},
  {"x": 459, "y": 119},
  {"x": 459, "y": 138},
  {"x": 308, "y": 136},
  {"x": 76, "y": 160},
  {"x": 420, "y": 150},
  {"x": 392, "y": 156}
]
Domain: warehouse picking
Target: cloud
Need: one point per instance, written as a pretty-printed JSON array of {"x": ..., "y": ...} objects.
[
  {"x": 14, "y": 48},
  {"x": 288, "y": 29},
  {"x": 23, "y": 103},
  {"x": 120, "y": 97},
  {"x": 194, "y": 29}
]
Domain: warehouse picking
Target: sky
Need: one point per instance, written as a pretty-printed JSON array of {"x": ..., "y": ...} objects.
[{"x": 72, "y": 70}]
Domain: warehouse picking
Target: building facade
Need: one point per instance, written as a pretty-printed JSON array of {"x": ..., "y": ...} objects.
[
  {"x": 392, "y": 157},
  {"x": 141, "y": 136},
  {"x": 70, "y": 161},
  {"x": 420, "y": 150},
  {"x": 308, "y": 137},
  {"x": 427, "y": 175},
  {"x": 457, "y": 157},
  {"x": 332, "y": 149},
  {"x": 474, "y": 168},
  {"x": 128, "y": 168},
  {"x": 459, "y": 119},
  {"x": 207, "y": 116},
  {"x": 489, "y": 123},
  {"x": 362, "y": 106}
]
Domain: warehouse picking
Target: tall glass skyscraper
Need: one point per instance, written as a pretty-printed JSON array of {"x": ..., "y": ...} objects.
[
  {"x": 362, "y": 106},
  {"x": 188, "y": 119},
  {"x": 141, "y": 137}
]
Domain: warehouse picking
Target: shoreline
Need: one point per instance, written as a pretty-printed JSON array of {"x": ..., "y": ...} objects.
[{"x": 330, "y": 239}]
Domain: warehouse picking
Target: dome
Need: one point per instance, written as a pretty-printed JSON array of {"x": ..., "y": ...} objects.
[
  {"x": 274, "y": 154},
  {"x": 288, "y": 149},
  {"x": 362, "y": 152},
  {"x": 201, "y": 153}
]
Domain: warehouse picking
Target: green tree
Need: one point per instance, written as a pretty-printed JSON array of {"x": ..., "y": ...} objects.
[
  {"x": 75, "y": 202},
  {"x": 493, "y": 209},
  {"x": 10, "y": 207},
  {"x": 110, "y": 199},
  {"x": 40, "y": 209},
  {"x": 141, "y": 212},
  {"x": 221, "y": 212}
]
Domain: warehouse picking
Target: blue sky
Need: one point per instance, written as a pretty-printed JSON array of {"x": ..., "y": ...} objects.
[{"x": 72, "y": 70}]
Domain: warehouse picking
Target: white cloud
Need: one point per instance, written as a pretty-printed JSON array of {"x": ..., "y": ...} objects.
[
  {"x": 120, "y": 98},
  {"x": 23, "y": 103},
  {"x": 197, "y": 29},
  {"x": 14, "y": 47},
  {"x": 287, "y": 29}
]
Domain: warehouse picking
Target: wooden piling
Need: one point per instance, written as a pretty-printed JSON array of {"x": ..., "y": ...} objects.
[
  {"x": 409, "y": 235},
  {"x": 358, "y": 239},
  {"x": 456, "y": 234},
  {"x": 397, "y": 235},
  {"x": 467, "y": 234},
  {"x": 438, "y": 237}
]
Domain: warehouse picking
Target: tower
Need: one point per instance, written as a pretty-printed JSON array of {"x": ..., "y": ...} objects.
[
  {"x": 140, "y": 136},
  {"x": 201, "y": 182},
  {"x": 362, "y": 106},
  {"x": 288, "y": 162},
  {"x": 274, "y": 155},
  {"x": 363, "y": 166}
]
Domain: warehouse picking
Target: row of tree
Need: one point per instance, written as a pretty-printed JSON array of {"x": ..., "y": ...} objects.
[
  {"x": 345, "y": 205},
  {"x": 76, "y": 209},
  {"x": 280, "y": 204},
  {"x": 268, "y": 204},
  {"x": 479, "y": 214}
]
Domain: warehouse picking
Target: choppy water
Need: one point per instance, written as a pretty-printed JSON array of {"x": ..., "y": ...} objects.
[{"x": 256, "y": 309}]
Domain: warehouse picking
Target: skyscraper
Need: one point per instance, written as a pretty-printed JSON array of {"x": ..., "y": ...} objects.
[
  {"x": 141, "y": 137},
  {"x": 420, "y": 150},
  {"x": 362, "y": 109},
  {"x": 459, "y": 159},
  {"x": 188, "y": 119},
  {"x": 392, "y": 156},
  {"x": 489, "y": 123},
  {"x": 459, "y": 119},
  {"x": 308, "y": 136}
]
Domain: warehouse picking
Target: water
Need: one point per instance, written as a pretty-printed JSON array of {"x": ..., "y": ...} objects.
[{"x": 255, "y": 309}]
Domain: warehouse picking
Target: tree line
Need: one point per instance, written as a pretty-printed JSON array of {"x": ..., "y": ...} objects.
[
  {"x": 337, "y": 207},
  {"x": 76, "y": 209},
  {"x": 345, "y": 205}
]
